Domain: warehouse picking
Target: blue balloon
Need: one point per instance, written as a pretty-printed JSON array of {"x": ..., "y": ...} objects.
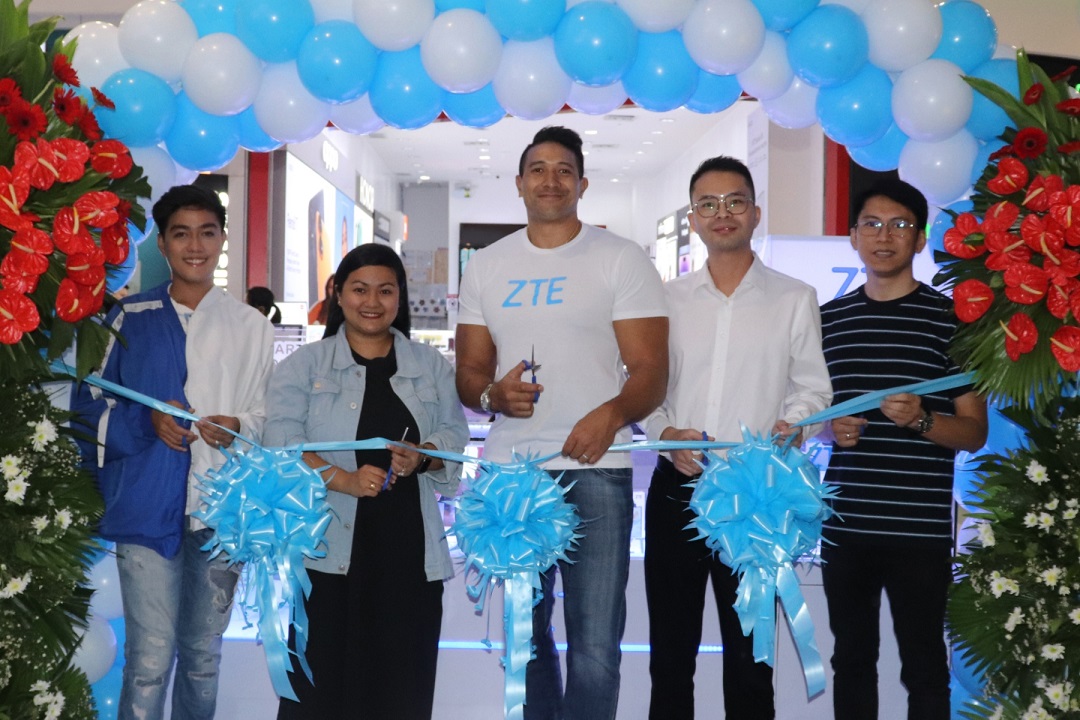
[
  {"x": 965, "y": 674},
  {"x": 252, "y": 136},
  {"x": 336, "y": 62},
  {"x": 987, "y": 120},
  {"x": 884, "y": 153},
  {"x": 199, "y": 140},
  {"x": 145, "y": 107},
  {"x": 936, "y": 239},
  {"x": 986, "y": 149},
  {"x": 829, "y": 47},
  {"x": 478, "y": 109},
  {"x": 595, "y": 43},
  {"x": 525, "y": 19},
  {"x": 663, "y": 76},
  {"x": 402, "y": 94},
  {"x": 444, "y": 5},
  {"x": 274, "y": 29},
  {"x": 106, "y": 691},
  {"x": 714, "y": 93},
  {"x": 782, "y": 15},
  {"x": 968, "y": 35},
  {"x": 858, "y": 112},
  {"x": 117, "y": 276},
  {"x": 212, "y": 16}
]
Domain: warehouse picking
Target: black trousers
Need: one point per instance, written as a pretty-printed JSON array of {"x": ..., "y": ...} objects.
[
  {"x": 677, "y": 569},
  {"x": 917, "y": 583}
]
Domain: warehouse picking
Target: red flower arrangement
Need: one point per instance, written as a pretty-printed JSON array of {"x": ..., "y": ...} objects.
[
  {"x": 66, "y": 198},
  {"x": 1014, "y": 260}
]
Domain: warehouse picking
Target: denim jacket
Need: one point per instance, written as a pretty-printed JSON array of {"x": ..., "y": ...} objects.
[{"x": 316, "y": 394}]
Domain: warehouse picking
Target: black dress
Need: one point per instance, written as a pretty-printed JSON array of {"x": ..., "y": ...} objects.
[{"x": 373, "y": 638}]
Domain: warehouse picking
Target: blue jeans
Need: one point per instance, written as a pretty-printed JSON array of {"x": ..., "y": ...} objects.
[
  {"x": 594, "y": 604},
  {"x": 175, "y": 609}
]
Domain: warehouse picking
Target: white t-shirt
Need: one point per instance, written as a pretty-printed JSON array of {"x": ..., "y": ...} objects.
[{"x": 563, "y": 302}]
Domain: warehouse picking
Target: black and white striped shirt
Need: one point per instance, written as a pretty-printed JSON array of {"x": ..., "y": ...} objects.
[{"x": 895, "y": 485}]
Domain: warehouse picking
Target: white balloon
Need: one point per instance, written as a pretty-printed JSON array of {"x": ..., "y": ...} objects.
[
  {"x": 770, "y": 75},
  {"x": 724, "y": 36},
  {"x": 931, "y": 101},
  {"x": 104, "y": 578},
  {"x": 156, "y": 36},
  {"x": 356, "y": 117},
  {"x": 797, "y": 108},
  {"x": 97, "y": 651},
  {"x": 393, "y": 24},
  {"x": 461, "y": 50},
  {"x": 1004, "y": 52},
  {"x": 656, "y": 17},
  {"x": 530, "y": 83},
  {"x": 98, "y": 55},
  {"x": 596, "y": 100},
  {"x": 221, "y": 76},
  {"x": 326, "y": 10},
  {"x": 284, "y": 108},
  {"x": 942, "y": 169},
  {"x": 901, "y": 32},
  {"x": 159, "y": 168},
  {"x": 856, "y": 6}
]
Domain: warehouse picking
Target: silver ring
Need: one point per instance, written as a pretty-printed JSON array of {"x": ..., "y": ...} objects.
[
  {"x": 584, "y": 457},
  {"x": 849, "y": 436}
]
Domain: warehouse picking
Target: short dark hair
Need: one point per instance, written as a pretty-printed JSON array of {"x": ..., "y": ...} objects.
[
  {"x": 262, "y": 298},
  {"x": 362, "y": 256},
  {"x": 560, "y": 136},
  {"x": 186, "y": 196},
  {"x": 899, "y": 192},
  {"x": 723, "y": 163}
]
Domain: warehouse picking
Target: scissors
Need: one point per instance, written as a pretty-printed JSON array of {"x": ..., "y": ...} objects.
[
  {"x": 390, "y": 470},
  {"x": 531, "y": 365}
]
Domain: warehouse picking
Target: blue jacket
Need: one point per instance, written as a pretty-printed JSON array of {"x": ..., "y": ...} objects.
[{"x": 316, "y": 395}]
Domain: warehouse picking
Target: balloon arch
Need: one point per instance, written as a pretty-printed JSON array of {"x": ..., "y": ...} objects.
[{"x": 195, "y": 80}]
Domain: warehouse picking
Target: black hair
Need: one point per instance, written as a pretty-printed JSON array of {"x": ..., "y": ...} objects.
[
  {"x": 263, "y": 298},
  {"x": 899, "y": 192},
  {"x": 560, "y": 136},
  {"x": 186, "y": 196},
  {"x": 723, "y": 163},
  {"x": 362, "y": 256}
]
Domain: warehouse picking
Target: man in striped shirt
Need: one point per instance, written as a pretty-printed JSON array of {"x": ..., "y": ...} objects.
[{"x": 894, "y": 465}]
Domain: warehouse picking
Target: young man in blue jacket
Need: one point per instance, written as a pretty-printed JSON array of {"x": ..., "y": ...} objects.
[{"x": 192, "y": 345}]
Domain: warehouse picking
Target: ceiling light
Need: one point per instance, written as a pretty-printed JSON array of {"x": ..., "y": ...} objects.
[
  {"x": 646, "y": 142},
  {"x": 485, "y": 157},
  {"x": 667, "y": 120},
  {"x": 424, "y": 177},
  {"x": 590, "y": 132}
]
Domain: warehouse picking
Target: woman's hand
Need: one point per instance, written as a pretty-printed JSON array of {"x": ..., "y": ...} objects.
[
  {"x": 365, "y": 482},
  {"x": 403, "y": 460}
]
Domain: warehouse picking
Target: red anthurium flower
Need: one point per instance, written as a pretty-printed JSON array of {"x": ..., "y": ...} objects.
[
  {"x": 41, "y": 161},
  {"x": 86, "y": 268},
  {"x": 1012, "y": 175},
  {"x": 1059, "y": 295},
  {"x": 1025, "y": 284},
  {"x": 75, "y": 302},
  {"x": 114, "y": 242},
  {"x": 70, "y": 234},
  {"x": 1040, "y": 190},
  {"x": 1069, "y": 147},
  {"x": 24, "y": 284},
  {"x": 25, "y": 121},
  {"x": 63, "y": 71},
  {"x": 1030, "y": 142},
  {"x": 965, "y": 238},
  {"x": 972, "y": 299},
  {"x": 101, "y": 99},
  {"x": 1000, "y": 216},
  {"x": 14, "y": 189},
  {"x": 112, "y": 158},
  {"x": 1033, "y": 94},
  {"x": 67, "y": 105},
  {"x": 18, "y": 315},
  {"x": 1042, "y": 234},
  {"x": 88, "y": 124},
  {"x": 1065, "y": 344},
  {"x": 1003, "y": 151},
  {"x": 1006, "y": 249},
  {"x": 1070, "y": 107},
  {"x": 29, "y": 254},
  {"x": 98, "y": 208},
  {"x": 1021, "y": 335},
  {"x": 9, "y": 93},
  {"x": 1065, "y": 207},
  {"x": 72, "y": 155},
  {"x": 1063, "y": 265}
]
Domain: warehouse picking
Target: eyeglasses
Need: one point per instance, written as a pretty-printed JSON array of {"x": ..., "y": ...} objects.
[
  {"x": 734, "y": 204},
  {"x": 898, "y": 228}
]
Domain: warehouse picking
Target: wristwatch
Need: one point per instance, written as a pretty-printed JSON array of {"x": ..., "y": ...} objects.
[
  {"x": 485, "y": 399},
  {"x": 423, "y": 466},
  {"x": 926, "y": 423}
]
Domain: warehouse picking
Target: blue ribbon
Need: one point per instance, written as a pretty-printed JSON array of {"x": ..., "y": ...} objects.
[{"x": 872, "y": 400}]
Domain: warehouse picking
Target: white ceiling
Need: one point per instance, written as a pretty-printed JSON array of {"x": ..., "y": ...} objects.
[{"x": 627, "y": 144}]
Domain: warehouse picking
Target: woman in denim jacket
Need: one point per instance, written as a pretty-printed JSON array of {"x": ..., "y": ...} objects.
[{"x": 375, "y": 608}]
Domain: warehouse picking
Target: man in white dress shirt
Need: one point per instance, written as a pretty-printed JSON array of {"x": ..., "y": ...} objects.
[{"x": 745, "y": 349}]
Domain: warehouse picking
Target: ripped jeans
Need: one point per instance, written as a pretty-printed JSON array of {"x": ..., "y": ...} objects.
[{"x": 174, "y": 610}]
